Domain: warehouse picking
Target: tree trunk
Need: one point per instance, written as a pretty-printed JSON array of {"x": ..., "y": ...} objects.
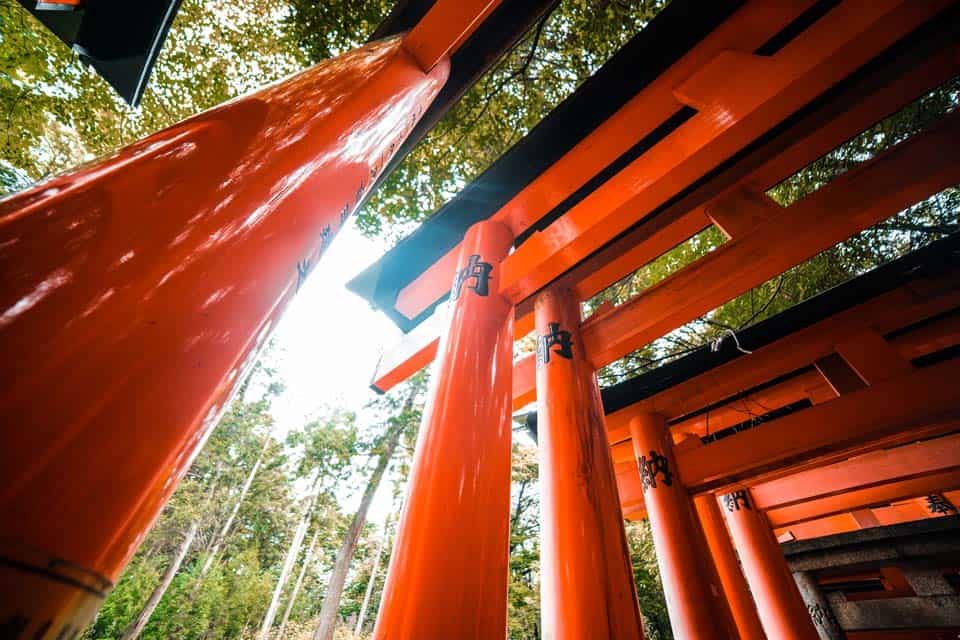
[
  {"x": 292, "y": 554},
  {"x": 143, "y": 617},
  {"x": 373, "y": 578},
  {"x": 331, "y": 600},
  {"x": 299, "y": 582},
  {"x": 222, "y": 536},
  {"x": 136, "y": 628}
]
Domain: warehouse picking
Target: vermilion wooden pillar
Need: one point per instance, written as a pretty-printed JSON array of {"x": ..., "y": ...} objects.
[
  {"x": 448, "y": 574},
  {"x": 781, "y": 608},
  {"x": 137, "y": 290},
  {"x": 741, "y": 603},
  {"x": 695, "y": 600},
  {"x": 587, "y": 588}
]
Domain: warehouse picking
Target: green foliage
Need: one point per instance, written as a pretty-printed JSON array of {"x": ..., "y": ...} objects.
[
  {"x": 238, "y": 588},
  {"x": 57, "y": 112},
  {"x": 571, "y": 42},
  {"x": 523, "y": 588},
  {"x": 653, "y": 605}
]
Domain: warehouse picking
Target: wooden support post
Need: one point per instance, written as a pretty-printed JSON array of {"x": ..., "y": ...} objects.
[
  {"x": 782, "y": 611},
  {"x": 587, "y": 588},
  {"x": 456, "y": 519},
  {"x": 698, "y": 610},
  {"x": 138, "y": 292},
  {"x": 725, "y": 559},
  {"x": 820, "y": 611}
]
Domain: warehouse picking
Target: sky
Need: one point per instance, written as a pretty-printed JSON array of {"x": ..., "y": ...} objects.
[
  {"x": 328, "y": 342},
  {"x": 326, "y": 347}
]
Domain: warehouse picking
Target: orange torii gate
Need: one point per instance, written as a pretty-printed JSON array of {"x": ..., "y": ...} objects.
[
  {"x": 863, "y": 391},
  {"x": 129, "y": 331},
  {"x": 138, "y": 289}
]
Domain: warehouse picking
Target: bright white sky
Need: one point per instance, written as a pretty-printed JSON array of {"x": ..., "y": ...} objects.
[
  {"x": 327, "y": 345},
  {"x": 329, "y": 340}
]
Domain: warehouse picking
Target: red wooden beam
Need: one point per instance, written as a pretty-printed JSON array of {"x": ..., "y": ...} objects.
[
  {"x": 739, "y": 97},
  {"x": 886, "y": 313},
  {"x": 746, "y": 30},
  {"x": 918, "y": 459},
  {"x": 899, "y": 178},
  {"x": 865, "y": 497},
  {"x": 445, "y": 27},
  {"x": 886, "y": 413}
]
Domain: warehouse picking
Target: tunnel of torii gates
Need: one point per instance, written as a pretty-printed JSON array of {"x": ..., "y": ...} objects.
[{"x": 799, "y": 476}]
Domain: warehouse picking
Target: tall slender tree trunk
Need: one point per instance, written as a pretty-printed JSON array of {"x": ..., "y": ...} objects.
[
  {"x": 373, "y": 578},
  {"x": 331, "y": 600},
  {"x": 299, "y": 583},
  {"x": 292, "y": 554},
  {"x": 135, "y": 629},
  {"x": 222, "y": 535}
]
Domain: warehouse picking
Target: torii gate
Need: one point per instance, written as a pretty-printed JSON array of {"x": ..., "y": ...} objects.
[
  {"x": 132, "y": 329},
  {"x": 139, "y": 288},
  {"x": 632, "y": 164}
]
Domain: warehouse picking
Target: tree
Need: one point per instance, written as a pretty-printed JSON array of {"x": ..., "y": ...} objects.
[
  {"x": 378, "y": 554},
  {"x": 58, "y": 112},
  {"x": 155, "y": 601},
  {"x": 396, "y": 426},
  {"x": 299, "y": 583},
  {"x": 217, "y": 541},
  {"x": 291, "y": 559},
  {"x": 133, "y": 632},
  {"x": 572, "y": 42},
  {"x": 523, "y": 587}
]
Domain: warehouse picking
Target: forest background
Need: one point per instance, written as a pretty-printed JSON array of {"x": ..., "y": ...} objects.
[{"x": 257, "y": 541}]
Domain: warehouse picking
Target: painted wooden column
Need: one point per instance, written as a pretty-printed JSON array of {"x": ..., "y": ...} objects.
[
  {"x": 587, "y": 588},
  {"x": 448, "y": 573},
  {"x": 138, "y": 291},
  {"x": 725, "y": 559},
  {"x": 695, "y": 599},
  {"x": 782, "y": 611}
]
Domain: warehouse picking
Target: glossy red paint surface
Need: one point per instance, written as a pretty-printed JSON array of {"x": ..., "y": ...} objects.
[
  {"x": 448, "y": 572},
  {"x": 586, "y": 580},
  {"x": 779, "y": 604},
  {"x": 137, "y": 289},
  {"x": 742, "y": 606},
  {"x": 695, "y": 599}
]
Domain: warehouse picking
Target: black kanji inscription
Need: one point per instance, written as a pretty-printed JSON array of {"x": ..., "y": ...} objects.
[
  {"x": 476, "y": 275},
  {"x": 823, "y": 617},
  {"x": 303, "y": 270},
  {"x": 653, "y": 466},
  {"x": 560, "y": 339},
  {"x": 326, "y": 235},
  {"x": 735, "y": 499},
  {"x": 936, "y": 503}
]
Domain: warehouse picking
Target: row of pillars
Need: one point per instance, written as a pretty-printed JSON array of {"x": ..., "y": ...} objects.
[{"x": 448, "y": 575}]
